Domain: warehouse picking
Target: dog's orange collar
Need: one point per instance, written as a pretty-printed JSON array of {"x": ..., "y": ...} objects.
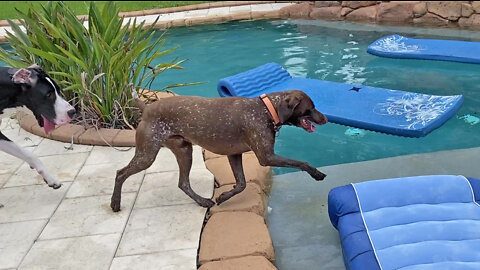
[{"x": 270, "y": 108}]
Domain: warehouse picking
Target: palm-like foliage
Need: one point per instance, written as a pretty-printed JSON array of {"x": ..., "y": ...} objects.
[{"x": 97, "y": 65}]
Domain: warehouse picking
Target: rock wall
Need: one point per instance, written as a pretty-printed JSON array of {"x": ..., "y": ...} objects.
[{"x": 464, "y": 14}]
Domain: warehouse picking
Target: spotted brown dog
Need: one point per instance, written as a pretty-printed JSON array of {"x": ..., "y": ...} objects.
[{"x": 226, "y": 126}]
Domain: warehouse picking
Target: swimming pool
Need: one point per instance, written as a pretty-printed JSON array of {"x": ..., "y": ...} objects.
[{"x": 334, "y": 51}]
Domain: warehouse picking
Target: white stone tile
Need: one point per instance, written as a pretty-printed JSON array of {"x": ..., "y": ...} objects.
[
  {"x": 161, "y": 229},
  {"x": 63, "y": 167},
  {"x": 30, "y": 202},
  {"x": 93, "y": 180},
  {"x": 161, "y": 189},
  {"x": 196, "y": 13},
  {"x": 166, "y": 161},
  {"x": 21, "y": 137},
  {"x": 9, "y": 164},
  {"x": 87, "y": 216},
  {"x": 184, "y": 259},
  {"x": 16, "y": 240},
  {"x": 262, "y": 7},
  {"x": 88, "y": 252},
  {"x": 102, "y": 155},
  {"x": 49, "y": 147},
  {"x": 244, "y": 8},
  {"x": 219, "y": 11},
  {"x": 4, "y": 178}
]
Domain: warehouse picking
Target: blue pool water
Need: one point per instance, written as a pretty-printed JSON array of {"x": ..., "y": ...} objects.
[{"x": 334, "y": 51}]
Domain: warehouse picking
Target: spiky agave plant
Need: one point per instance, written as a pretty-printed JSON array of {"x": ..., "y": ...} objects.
[{"x": 97, "y": 62}]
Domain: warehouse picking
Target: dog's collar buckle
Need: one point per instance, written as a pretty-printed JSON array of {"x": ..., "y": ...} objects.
[{"x": 272, "y": 111}]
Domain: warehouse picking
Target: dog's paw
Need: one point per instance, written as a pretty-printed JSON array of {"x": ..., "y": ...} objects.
[
  {"x": 207, "y": 203},
  {"x": 55, "y": 185},
  {"x": 317, "y": 175},
  {"x": 222, "y": 198},
  {"x": 115, "y": 205}
]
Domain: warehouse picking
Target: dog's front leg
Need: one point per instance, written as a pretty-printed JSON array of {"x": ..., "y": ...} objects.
[
  {"x": 240, "y": 183},
  {"x": 262, "y": 144},
  {"x": 11, "y": 148},
  {"x": 279, "y": 161}
]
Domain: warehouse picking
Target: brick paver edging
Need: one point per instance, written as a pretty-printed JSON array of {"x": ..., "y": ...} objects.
[{"x": 235, "y": 235}]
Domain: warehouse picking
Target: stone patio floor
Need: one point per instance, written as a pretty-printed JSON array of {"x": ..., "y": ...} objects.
[{"x": 74, "y": 228}]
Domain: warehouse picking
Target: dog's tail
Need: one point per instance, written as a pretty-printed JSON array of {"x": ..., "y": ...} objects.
[{"x": 140, "y": 104}]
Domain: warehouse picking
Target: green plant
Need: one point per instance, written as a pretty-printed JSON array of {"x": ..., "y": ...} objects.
[{"x": 98, "y": 65}]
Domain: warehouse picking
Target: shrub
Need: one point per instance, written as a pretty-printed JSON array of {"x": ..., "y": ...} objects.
[{"x": 98, "y": 65}]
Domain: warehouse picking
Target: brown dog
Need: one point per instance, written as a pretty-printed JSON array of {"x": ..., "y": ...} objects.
[{"x": 225, "y": 126}]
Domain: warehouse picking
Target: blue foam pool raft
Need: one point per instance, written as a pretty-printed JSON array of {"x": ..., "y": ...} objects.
[
  {"x": 396, "y": 46},
  {"x": 424, "y": 222},
  {"x": 377, "y": 109}
]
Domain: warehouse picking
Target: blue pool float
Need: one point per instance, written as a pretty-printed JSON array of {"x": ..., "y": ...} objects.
[
  {"x": 412, "y": 223},
  {"x": 383, "y": 110},
  {"x": 396, "y": 46}
]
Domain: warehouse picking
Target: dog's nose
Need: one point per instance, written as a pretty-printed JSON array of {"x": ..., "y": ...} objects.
[{"x": 71, "y": 113}]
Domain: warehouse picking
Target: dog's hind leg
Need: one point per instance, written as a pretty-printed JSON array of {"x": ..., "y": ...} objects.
[
  {"x": 240, "y": 183},
  {"x": 11, "y": 148},
  {"x": 182, "y": 150},
  {"x": 146, "y": 151}
]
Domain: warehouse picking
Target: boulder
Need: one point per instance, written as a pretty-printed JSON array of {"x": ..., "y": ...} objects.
[
  {"x": 367, "y": 14},
  {"x": 451, "y": 10},
  {"x": 326, "y": 13},
  {"x": 467, "y": 10},
  {"x": 473, "y": 21},
  {"x": 419, "y": 9},
  {"x": 399, "y": 12},
  {"x": 320, "y": 4},
  {"x": 358, "y": 4},
  {"x": 298, "y": 11},
  {"x": 430, "y": 19},
  {"x": 345, "y": 10},
  {"x": 476, "y": 6}
]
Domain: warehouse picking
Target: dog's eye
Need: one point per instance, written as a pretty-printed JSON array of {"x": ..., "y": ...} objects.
[{"x": 50, "y": 95}]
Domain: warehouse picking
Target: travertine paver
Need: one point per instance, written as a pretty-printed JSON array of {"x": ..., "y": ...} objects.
[
  {"x": 160, "y": 189},
  {"x": 87, "y": 216},
  {"x": 99, "y": 179},
  {"x": 74, "y": 228},
  {"x": 64, "y": 167},
  {"x": 87, "y": 252},
  {"x": 183, "y": 259},
  {"x": 29, "y": 202},
  {"x": 161, "y": 229},
  {"x": 16, "y": 240},
  {"x": 49, "y": 147}
]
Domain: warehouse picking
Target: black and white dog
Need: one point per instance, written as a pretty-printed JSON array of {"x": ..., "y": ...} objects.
[{"x": 33, "y": 88}]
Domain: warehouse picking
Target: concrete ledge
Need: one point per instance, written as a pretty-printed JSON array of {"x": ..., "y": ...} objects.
[{"x": 232, "y": 235}]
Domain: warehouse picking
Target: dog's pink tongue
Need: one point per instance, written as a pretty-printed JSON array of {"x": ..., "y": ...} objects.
[
  {"x": 47, "y": 125},
  {"x": 307, "y": 125}
]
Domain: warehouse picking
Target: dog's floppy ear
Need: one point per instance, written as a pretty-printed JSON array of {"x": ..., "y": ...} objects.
[
  {"x": 287, "y": 106},
  {"x": 23, "y": 76}
]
